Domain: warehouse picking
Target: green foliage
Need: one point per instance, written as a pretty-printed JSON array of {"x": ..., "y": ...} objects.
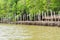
[{"x": 14, "y": 8}]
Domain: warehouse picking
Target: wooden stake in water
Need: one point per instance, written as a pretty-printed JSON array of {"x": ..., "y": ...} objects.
[
  {"x": 47, "y": 12},
  {"x": 20, "y": 18},
  {"x": 58, "y": 19},
  {"x": 34, "y": 16},
  {"x": 39, "y": 18},
  {"x": 51, "y": 15},
  {"x": 54, "y": 16},
  {"x": 27, "y": 17},
  {"x": 45, "y": 15},
  {"x": 42, "y": 15}
]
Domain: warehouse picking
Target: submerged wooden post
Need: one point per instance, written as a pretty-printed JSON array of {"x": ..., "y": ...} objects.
[
  {"x": 28, "y": 17},
  {"x": 51, "y": 15},
  {"x": 58, "y": 18},
  {"x": 42, "y": 15},
  {"x": 20, "y": 18},
  {"x": 39, "y": 16},
  {"x": 54, "y": 16},
  {"x": 34, "y": 17},
  {"x": 1, "y": 20},
  {"x": 45, "y": 15}
]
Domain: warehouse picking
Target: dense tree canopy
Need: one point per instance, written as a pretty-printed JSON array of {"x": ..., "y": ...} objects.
[{"x": 14, "y": 8}]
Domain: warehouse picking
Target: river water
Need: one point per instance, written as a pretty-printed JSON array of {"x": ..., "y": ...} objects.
[{"x": 28, "y": 32}]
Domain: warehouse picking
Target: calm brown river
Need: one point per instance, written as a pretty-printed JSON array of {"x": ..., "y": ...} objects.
[{"x": 28, "y": 32}]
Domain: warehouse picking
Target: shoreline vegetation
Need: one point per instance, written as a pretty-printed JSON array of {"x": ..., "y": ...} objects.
[{"x": 31, "y": 12}]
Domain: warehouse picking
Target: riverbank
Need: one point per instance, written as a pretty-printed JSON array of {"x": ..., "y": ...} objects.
[{"x": 40, "y": 23}]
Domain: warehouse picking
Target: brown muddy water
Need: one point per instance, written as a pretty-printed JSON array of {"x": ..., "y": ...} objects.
[{"x": 28, "y": 32}]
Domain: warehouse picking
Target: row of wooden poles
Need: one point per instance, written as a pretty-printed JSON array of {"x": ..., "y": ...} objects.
[
  {"x": 41, "y": 16},
  {"x": 46, "y": 19},
  {"x": 52, "y": 17}
]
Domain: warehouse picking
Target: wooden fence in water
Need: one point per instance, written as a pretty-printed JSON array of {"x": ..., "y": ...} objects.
[
  {"x": 46, "y": 18},
  {"x": 43, "y": 18}
]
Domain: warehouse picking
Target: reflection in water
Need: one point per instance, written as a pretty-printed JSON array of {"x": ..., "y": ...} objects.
[{"x": 26, "y": 32}]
